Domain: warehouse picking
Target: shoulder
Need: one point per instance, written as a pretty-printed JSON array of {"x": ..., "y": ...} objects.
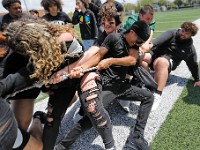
[
  {"x": 62, "y": 13},
  {"x": 66, "y": 37},
  {"x": 114, "y": 36},
  {"x": 89, "y": 12},
  {"x": 27, "y": 16},
  {"x": 134, "y": 17},
  {"x": 6, "y": 16},
  {"x": 171, "y": 32}
]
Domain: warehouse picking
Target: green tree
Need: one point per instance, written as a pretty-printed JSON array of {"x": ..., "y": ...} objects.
[
  {"x": 163, "y": 2},
  {"x": 129, "y": 6},
  {"x": 178, "y": 2}
]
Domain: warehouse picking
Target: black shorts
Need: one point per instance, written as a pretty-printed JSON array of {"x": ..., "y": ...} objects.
[
  {"x": 27, "y": 94},
  {"x": 172, "y": 64}
]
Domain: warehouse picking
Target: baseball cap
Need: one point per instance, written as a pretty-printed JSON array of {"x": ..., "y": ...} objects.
[{"x": 141, "y": 28}]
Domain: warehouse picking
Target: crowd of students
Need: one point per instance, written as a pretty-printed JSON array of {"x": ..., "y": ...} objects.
[{"x": 45, "y": 54}]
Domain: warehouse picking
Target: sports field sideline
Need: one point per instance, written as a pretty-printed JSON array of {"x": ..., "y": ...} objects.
[{"x": 121, "y": 121}]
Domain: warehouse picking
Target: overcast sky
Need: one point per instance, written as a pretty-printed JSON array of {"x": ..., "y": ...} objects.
[{"x": 68, "y": 5}]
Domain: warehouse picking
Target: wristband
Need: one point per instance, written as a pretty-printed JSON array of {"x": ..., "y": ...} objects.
[{"x": 140, "y": 54}]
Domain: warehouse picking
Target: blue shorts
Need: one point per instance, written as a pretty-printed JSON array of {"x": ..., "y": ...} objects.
[{"x": 87, "y": 44}]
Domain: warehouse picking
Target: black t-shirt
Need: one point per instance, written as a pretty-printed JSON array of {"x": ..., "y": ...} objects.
[
  {"x": 6, "y": 19},
  {"x": 103, "y": 35},
  {"x": 62, "y": 18},
  {"x": 87, "y": 24},
  {"x": 117, "y": 48}
]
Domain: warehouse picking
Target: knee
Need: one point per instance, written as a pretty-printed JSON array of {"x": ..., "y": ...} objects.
[
  {"x": 161, "y": 63},
  {"x": 24, "y": 124},
  {"x": 92, "y": 107}
]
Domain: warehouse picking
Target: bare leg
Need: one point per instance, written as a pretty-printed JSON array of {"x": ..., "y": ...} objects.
[
  {"x": 146, "y": 61},
  {"x": 33, "y": 144},
  {"x": 161, "y": 66},
  {"x": 23, "y": 110},
  {"x": 34, "y": 137},
  {"x": 36, "y": 129}
]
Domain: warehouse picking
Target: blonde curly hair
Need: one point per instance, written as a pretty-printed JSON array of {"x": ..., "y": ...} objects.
[{"x": 39, "y": 39}]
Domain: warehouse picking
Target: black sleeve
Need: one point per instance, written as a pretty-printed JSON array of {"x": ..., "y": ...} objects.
[
  {"x": 95, "y": 7},
  {"x": 67, "y": 18},
  {"x": 94, "y": 25},
  {"x": 1, "y": 23},
  {"x": 75, "y": 19},
  {"x": 163, "y": 38},
  {"x": 110, "y": 41},
  {"x": 193, "y": 64},
  {"x": 15, "y": 82}
]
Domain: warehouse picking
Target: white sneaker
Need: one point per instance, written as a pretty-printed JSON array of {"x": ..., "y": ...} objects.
[
  {"x": 125, "y": 105},
  {"x": 157, "y": 100},
  {"x": 77, "y": 116}
]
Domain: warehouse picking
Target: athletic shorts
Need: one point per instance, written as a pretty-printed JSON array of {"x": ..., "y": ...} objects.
[
  {"x": 172, "y": 64},
  {"x": 27, "y": 94}
]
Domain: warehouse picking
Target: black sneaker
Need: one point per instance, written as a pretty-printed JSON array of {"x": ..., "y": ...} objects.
[
  {"x": 136, "y": 142},
  {"x": 40, "y": 115}
]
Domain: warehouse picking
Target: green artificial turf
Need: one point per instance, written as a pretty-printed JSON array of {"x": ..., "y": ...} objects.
[{"x": 181, "y": 129}]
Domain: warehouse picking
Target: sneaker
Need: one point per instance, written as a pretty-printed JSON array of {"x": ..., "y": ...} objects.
[
  {"x": 157, "y": 100},
  {"x": 136, "y": 142},
  {"x": 77, "y": 116},
  {"x": 125, "y": 105},
  {"x": 42, "y": 116}
]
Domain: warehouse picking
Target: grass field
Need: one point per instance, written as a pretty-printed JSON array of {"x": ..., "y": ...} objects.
[
  {"x": 173, "y": 19},
  {"x": 181, "y": 129}
]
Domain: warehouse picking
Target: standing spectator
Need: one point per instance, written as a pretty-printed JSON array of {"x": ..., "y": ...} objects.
[
  {"x": 54, "y": 12},
  {"x": 87, "y": 23},
  {"x": 34, "y": 13},
  {"x": 14, "y": 12},
  {"x": 94, "y": 6},
  {"x": 168, "y": 50}
]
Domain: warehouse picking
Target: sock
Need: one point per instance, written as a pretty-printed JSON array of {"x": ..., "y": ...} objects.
[{"x": 158, "y": 92}]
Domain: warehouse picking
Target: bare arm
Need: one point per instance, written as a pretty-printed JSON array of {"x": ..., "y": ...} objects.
[
  {"x": 56, "y": 77},
  {"x": 146, "y": 47},
  {"x": 129, "y": 60}
]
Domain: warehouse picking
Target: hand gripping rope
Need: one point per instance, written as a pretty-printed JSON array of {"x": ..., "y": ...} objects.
[{"x": 66, "y": 76}]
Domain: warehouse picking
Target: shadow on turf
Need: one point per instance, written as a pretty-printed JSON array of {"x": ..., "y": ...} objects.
[
  {"x": 193, "y": 94},
  {"x": 172, "y": 79}
]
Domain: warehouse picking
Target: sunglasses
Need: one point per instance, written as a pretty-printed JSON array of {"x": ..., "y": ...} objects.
[
  {"x": 139, "y": 43},
  {"x": 110, "y": 23}
]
